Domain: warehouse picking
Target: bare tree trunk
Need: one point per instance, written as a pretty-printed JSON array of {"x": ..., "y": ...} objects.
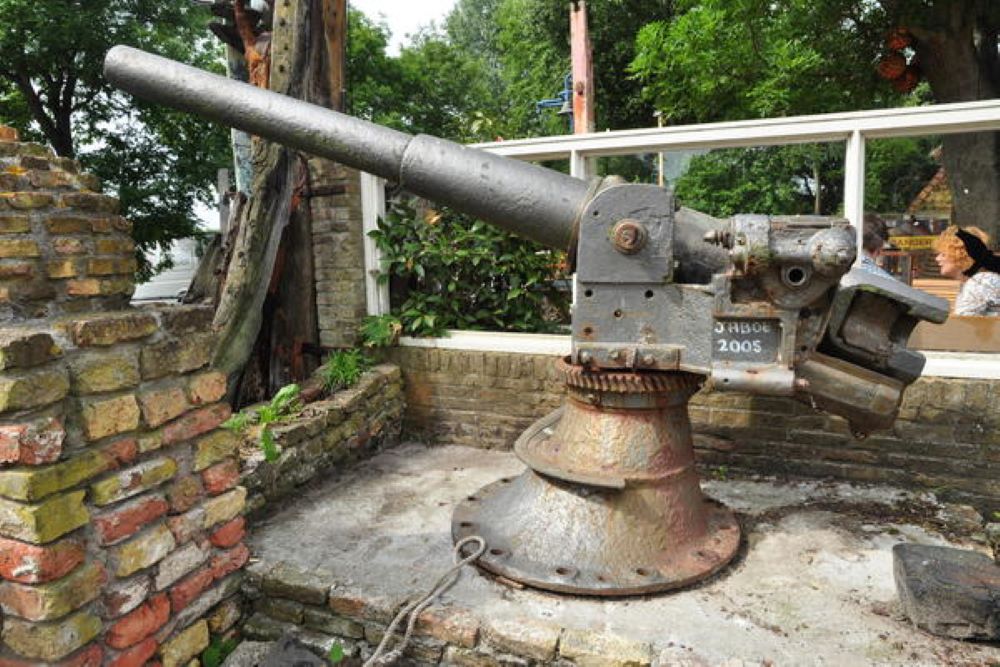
[
  {"x": 267, "y": 311},
  {"x": 956, "y": 44}
]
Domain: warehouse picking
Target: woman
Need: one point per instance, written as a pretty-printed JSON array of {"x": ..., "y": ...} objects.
[{"x": 963, "y": 255}]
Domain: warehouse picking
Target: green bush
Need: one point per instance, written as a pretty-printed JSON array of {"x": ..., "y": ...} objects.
[
  {"x": 451, "y": 271},
  {"x": 343, "y": 369}
]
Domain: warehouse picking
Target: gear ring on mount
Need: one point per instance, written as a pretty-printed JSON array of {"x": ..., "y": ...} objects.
[{"x": 628, "y": 382}]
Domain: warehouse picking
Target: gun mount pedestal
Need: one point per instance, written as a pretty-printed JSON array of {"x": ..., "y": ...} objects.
[{"x": 611, "y": 503}]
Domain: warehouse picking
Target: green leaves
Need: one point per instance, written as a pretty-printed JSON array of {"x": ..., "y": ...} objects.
[
  {"x": 159, "y": 163},
  {"x": 379, "y": 331},
  {"x": 449, "y": 271},
  {"x": 285, "y": 403},
  {"x": 343, "y": 369},
  {"x": 734, "y": 59}
]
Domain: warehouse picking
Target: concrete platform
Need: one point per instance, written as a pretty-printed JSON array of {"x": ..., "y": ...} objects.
[{"x": 813, "y": 584}]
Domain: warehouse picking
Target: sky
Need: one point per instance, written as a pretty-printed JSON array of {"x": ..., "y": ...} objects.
[{"x": 404, "y": 16}]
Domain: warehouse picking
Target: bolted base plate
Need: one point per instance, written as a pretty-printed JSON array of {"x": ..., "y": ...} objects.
[{"x": 570, "y": 538}]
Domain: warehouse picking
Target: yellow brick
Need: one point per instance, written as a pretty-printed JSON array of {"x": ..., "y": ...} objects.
[
  {"x": 14, "y": 224},
  {"x": 161, "y": 405},
  {"x": 114, "y": 246},
  {"x": 30, "y": 390},
  {"x": 149, "y": 442},
  {"x": 185, "y": 645},
  {"x": 51, "y": 641},
  {"x": 24, "y": 349},
  {"x": 68, "y": 225},
  {"x": 35, "y": 483},
  {"x": 27, "y": 200},
  {"x": 105, "y": 372},
  {"x": 45, "y": 521},
  {"x": 131, "y": 481},
  {"x": 109, "y": 266},
  {"x": 148, "y": 548},
  {"x": 61, "y": 269},
  {"x": 55, "y": 599},
  {"x": 215, "y": 447},
  {"x": 108, "y": 416},
  {"x": 18, "y": 248},
  {"x": 110, "y": 329},
  {"x": 207, "y": 388},
  {"x": 83, "y": 287},
  {"x": 224, "y": 507}
]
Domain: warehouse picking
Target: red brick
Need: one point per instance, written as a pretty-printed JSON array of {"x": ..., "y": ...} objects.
[
  {"x": 90, "y": 656},
  {"x": 128, "y": 520},
  {"x": 136, "y": 656},
  {"x": 221, "y": 477},
  {"x": 10, "y": 442},
  {"x": 33, "y": 564},
  {"x": 139, "y": 623},
  {"x": 122, "y": 452},
  {"x": 229, "y": 533},
  {"x": 183, "y": 593},
  {"x": 230, "y": 561},
  {"x": 195, "y": 423},
  {"x": 33, "y": 443}
]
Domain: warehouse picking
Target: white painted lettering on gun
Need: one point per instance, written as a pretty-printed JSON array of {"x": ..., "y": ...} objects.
[{"x": 744, "y": 337}]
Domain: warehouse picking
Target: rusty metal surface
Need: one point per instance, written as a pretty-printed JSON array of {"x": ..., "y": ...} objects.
[
  {"x": 627, "y": 382},
  {"x": 571, "y": 538},
  {"x": 868, "y": 400},
  {"x": 611, "y": 503}
]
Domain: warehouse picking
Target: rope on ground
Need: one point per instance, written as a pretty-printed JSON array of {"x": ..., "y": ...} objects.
[{"x": 413, "y": 610}]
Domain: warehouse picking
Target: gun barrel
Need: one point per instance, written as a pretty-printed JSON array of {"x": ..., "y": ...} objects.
[{"x": 526, "y": 199}]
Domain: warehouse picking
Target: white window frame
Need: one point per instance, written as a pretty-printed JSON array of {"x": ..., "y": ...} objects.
[{"x": 852, "y": 128}]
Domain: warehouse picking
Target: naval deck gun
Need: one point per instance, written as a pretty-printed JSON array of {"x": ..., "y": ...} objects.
[{"x": 610, "y": 503}]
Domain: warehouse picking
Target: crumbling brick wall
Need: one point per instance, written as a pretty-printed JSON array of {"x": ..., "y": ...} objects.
[{"x": 120, "y": 514}]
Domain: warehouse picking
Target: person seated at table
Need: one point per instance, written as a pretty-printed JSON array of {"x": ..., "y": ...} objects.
[
  {"x": 872, "y": 241},
  {"x": 963, "y": 255}
]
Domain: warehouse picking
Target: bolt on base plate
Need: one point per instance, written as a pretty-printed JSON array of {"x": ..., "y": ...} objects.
[
  {"x": 564, "y": 537},
  {"x": 611, "y": 503}
]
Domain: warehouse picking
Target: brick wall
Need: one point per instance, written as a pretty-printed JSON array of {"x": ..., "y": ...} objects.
[
  {"x": 947, "y": 438},
  {"x": 338, "y": 251},
  {"x": 120, "y": 527},
  {"x": 338, "y": 430},
  {"x": 63, "y": 248}
]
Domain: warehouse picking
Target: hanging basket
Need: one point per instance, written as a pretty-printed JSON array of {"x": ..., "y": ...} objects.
[
  {"x": 908, "y": 80},
  {"x": 898, "y": 39},
  {"x": 892, "y": 66}
]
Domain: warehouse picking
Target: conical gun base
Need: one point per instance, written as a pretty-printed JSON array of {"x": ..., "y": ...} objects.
[{"x": 611, "y": 504}]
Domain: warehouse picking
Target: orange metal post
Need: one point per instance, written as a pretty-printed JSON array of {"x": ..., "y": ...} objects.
[{"x": 583, "y": 69}]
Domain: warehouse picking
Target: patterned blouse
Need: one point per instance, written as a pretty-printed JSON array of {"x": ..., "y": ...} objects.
[{"x": 979, "y": 295}]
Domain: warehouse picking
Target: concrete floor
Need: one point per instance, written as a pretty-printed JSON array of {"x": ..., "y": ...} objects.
[{"x": 812, "y": 586}]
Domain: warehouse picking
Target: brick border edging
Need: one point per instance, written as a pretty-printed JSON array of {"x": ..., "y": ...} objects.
[
  {"x": 350, "y": 425},
  {"x": 310, "y": 605}
]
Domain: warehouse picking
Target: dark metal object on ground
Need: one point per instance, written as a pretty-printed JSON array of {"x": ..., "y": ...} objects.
[{"x": 611, "y": 505}]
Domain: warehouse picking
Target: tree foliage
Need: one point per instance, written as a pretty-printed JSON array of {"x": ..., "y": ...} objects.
[
  {"x": 450, "y": 271},
  {"x": 735, "y": 59},
  {"x": 158, "y": 162}
]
